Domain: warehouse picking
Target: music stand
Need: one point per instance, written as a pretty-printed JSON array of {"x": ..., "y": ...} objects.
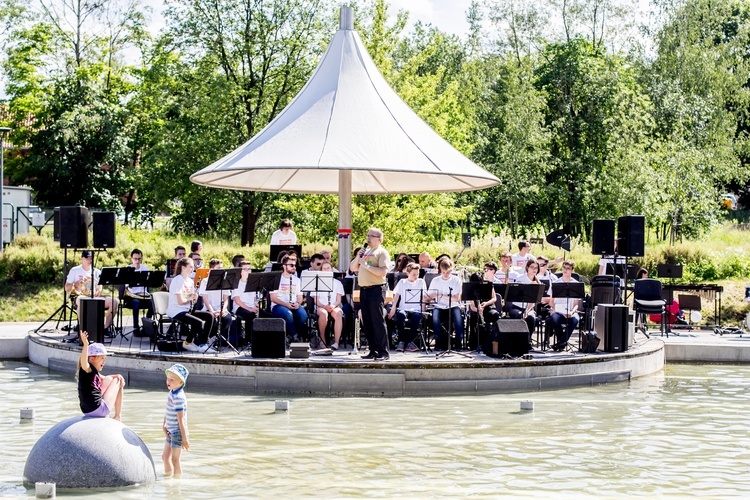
[
  {"x": 671, "y": 271},
  {"x": 450, "y": 350},
  {"x": 262, "y": 282},
  {"x": 568, "y": 290},
  {"x": 111, "y": 276},
  {"x": 316, "y": 282},
  {"x": 276, "y": 249},
  {"x": 416, "y": 296},
  {"x": 222, "y": 279}
]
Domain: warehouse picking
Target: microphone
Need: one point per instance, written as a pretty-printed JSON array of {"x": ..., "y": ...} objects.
[{"x": 362, "y": 252}]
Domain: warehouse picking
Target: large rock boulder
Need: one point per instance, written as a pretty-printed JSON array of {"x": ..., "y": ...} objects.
[{"x": 90, "y": 453}]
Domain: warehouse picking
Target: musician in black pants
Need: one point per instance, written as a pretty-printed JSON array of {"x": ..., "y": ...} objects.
[
  {"x": 372, "y": 265},
  {"x": 487, "y": 309},
  {"x": 135, "y": 297}
]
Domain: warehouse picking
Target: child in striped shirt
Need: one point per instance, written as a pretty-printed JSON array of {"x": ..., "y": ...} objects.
[{"x": 175, "y": 420}]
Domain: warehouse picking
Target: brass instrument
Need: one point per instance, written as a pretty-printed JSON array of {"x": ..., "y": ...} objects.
[
  {"x": 132, "y": 295},
  {"x": 83, "y": 287}
]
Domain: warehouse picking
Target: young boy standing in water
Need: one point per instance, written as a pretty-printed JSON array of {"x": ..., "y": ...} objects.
[{"x": 175, "y": 420}]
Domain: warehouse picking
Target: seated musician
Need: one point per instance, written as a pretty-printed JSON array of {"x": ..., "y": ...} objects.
[
  {"x": 445, "y": 293},
  {"x": 506, "y": 274},
  {"x": 182, "y": 297},
  {"x": 196, "y": 247},
  {"x": 327, "y": 256},
  {"x": 179, "y": 253},
  {"x": 138, "y": 296},
  {"x": 197, "y": 262},
  {"x": 284, "y": 234},
  {"x": 287, "y": 300},
  {"x": 524, "y": 310},
  {"x": 426, "y": 262},
  {"x": 215, "y": 305},
  {"x": 245, "y": 303},
  {"x": 544, "y": 272},
  {"x": 237, "y": 260},
  {"x": 78, "y": 284},
  {"x": 486, "y": 308},
  {"x": 328, "y": 305},
  {"x": 520, "y": 259},
  {"x": 408, "y": 306},
  {"x": 565, "y": 311},
  {"x": 316, "y": 261},
  {"x": 400, "y": 262}
]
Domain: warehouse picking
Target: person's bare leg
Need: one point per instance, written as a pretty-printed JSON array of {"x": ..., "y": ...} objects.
[
  {"x": 338, "y": 324},
  {"x": 322, "y": 324},
  {"x": 176, "y": 463},
  {"x": 112, "y": 388},
  {"x": 166, "y": 456}
]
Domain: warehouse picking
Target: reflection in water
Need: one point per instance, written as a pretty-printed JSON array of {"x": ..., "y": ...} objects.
[{"x": 682, "y": 432}]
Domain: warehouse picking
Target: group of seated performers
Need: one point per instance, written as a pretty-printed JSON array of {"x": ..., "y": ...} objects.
[{"x": 428, "y": 298}]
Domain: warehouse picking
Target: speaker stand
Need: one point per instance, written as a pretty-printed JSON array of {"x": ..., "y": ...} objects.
[{"x": 61, "y": 314}]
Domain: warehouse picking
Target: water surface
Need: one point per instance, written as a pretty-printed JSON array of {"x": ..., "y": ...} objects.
[{"x": 683, "y": 432}]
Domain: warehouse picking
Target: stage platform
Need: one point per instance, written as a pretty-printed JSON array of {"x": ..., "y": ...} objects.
[{"x": 344, "y": 373}]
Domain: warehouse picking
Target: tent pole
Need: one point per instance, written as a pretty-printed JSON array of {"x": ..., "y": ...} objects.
[{"x": 345, "y": 219}]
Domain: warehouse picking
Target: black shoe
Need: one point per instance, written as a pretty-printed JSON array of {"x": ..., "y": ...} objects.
[
  {"x": 558, "y": 347},
  {"x": 370, "y": 355},
  {"x": 383, "y": 357}
]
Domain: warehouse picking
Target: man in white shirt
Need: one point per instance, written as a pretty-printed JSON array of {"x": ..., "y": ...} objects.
[
  {"x": 287, "y": 300},
  {"x": 524, "y": 254},
  {"x": 136, "y": 297},
  {"x": 78, "y": 284},
  {"x": 284, "y": 234}
]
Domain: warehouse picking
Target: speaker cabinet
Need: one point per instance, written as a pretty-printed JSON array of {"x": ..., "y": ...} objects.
[
  {"x": 611, "y": 325},
  {"x": 56, "y": 224},
  {"x": 73, "y": 230},
  {"x": 513, "y": 338},
  {"x": 104, "y": 229},
  {"x": 91, "y": 318},
  {"x": 603, "y": 237},
  {"x": 268, "y": 339},
  {"x": 631, "y": 235}
]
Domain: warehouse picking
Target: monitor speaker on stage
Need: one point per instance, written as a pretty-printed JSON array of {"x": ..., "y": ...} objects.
[
  {"x": 104, "y": 229},
  {"x": 603, "y": 237},
  {"x": 73, "y": 228},
  {"x": 268, "y": 338},
  {"x": 91, "y": 318},
  {"x": 611, "y": 324},
  {"x": 631, "y": 231}
]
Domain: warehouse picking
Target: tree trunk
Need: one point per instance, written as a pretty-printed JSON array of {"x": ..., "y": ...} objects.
[{"x": 250, "y": 216}]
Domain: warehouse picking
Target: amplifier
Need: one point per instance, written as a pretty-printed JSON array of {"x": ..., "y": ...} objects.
[{"x": 611, "y": 325}]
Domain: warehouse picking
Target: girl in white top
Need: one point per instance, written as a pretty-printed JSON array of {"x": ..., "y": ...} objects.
[
  {"x": 329, "y": 304},
  {"x": 182, "y": 296},
  {"x": 445, "y": 291}
]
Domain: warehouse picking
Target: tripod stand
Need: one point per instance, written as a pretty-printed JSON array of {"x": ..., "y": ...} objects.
[
  {"x": 116, "y": 276},
  {"x": 221, "y": 280},
  {"x": 61, "y": 313},
  {"x": 450, "y": 350}
]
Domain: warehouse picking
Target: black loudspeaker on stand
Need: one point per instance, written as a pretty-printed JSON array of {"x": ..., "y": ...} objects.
[
  {"x": 603, "y": 237},
  {"x": 91, "y": 318},
  {"x": 104, "y": 229},
  {"x": 73, "y": 228},
  {"x": 631, "y": 235}
]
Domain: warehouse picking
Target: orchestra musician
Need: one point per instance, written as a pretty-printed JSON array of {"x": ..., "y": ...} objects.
[
  {"x": 327, "y": 256},
  {"x": 519, "y": 310},
  {"x": 445, "y": 293},
  {"x": 215, "y": 304},
  {"x": 284, "y": 234},
  {"x": 487, "y": 309},
  {"x": 182, "y": 298},
  {"x": 411, "y": 292},
  {"x": 328, "y": 305},
  {"x": 138, "y": 296},
  {"x": 520, "y": 259},
  {"x": 287, "y": 300},
  {"x": 506, "y": 274},
  {"x": 78, "y": 284},
  {"x": 245, "y": 303},
  {"x": 566, "y": 310},
  {"x": 179, "y": 253}
]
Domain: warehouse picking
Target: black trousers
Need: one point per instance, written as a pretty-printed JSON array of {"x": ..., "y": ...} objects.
[{"x": 372, "y": 301}]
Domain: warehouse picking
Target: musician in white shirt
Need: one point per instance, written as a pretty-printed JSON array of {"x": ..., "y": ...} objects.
[
  {"x": 328, "y": 305},
  {"x": 245, "y": 303},
  {"x": 287, "y": 300},
  {"x": 284, "y": 234},
  {"x": 78, "y": 284},
  {"x": 566, "y": 310},
  {"x": 409, "y": 294},
  {"x": 138, "y": 296},
  {"x": 445, "y": 293}
]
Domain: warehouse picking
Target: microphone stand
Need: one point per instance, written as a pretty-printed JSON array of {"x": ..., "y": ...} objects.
[{"x": 450, "y": 350}]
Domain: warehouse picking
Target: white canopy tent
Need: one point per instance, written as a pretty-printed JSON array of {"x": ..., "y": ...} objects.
[{"x": 346, "y": 132}]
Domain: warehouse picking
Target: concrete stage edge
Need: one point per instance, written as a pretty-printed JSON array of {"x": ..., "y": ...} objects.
[{"x": 405, "y": 374}]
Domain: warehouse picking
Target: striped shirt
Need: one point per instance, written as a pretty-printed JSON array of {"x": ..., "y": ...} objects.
[{"x": 176, "y": 401}]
